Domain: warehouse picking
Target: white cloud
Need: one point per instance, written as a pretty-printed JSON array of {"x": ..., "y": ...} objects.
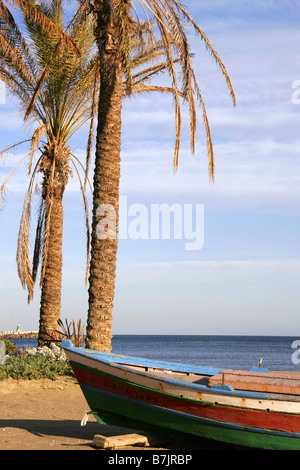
[
  {"x": 256, "y": 176},
  {"x": 211, "y": 271}
]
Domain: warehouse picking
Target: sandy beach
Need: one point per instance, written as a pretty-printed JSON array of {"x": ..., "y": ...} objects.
[{"x": 46, "y": 415}]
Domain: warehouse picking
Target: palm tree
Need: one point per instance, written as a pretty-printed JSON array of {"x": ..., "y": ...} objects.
[
  {"x": 55, "y": 77},
  {"x": 114, "y": 22},
  {"x": 60, "y": 106}
]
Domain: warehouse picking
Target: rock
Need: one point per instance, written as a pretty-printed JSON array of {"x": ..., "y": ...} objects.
[
  {"x": 2, "y": 352},
  {"x": 55, "y": 352}
]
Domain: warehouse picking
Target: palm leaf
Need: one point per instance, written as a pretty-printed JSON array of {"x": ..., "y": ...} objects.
[{"x": 43, "y": 21}]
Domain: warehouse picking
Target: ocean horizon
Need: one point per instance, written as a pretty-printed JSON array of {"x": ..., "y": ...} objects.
[{"x": 224, "y": 351}]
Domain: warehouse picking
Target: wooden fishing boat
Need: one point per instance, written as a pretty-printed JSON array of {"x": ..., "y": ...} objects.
[{"x": 256, "y": 408}]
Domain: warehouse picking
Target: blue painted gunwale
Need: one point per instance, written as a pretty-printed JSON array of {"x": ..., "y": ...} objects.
[
  {"x": 124, "y": 362},
  {"x": 111, "y": 358}
]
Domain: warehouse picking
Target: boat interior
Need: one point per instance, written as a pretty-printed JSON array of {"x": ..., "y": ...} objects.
[{"x": 278, "y": 382}]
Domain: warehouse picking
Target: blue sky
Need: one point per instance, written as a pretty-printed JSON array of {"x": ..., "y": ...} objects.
[{"x": 245, "y": 279}]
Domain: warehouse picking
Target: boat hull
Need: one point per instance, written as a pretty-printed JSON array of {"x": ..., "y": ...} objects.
[{"x": 117, "y": 395}]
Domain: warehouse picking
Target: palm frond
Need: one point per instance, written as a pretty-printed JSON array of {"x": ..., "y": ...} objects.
[
  {"x": 38, "y": 244},
  {"x": 92, "y": 123},
  {"x": 209, "y": 45},
  {"x": 43, "y": 21},
  {"x": 11, "y": 57},
  {"x": 11, "y": 30},
  {"x": 48, "y": 203},
  {"x": 39, "y": 83},
  {"x": 22, "y": 256},
  {"x": 35, "y": 140},
  {"x": 171, "y": 18}
]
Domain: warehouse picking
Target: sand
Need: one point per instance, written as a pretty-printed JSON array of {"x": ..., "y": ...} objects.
[
  {"x": 46, "y": 415},
  {"x": 43, "y": 414}
]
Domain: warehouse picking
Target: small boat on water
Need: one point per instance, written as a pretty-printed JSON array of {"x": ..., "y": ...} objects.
[{"x": 255, "y": 408}]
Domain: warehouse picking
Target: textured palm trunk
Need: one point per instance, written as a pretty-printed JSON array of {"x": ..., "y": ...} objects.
[
  {"x": 52, "y": 282},
  {"x": 106, "y": 182}
]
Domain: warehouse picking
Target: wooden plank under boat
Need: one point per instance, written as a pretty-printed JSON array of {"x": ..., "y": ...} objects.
[{"x": 245, "y": 408}]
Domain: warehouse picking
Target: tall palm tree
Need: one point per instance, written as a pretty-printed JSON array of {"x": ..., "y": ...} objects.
[
  {"x": 167, "y": 20},
  {"x": 63, "y": 103},
  {"x": 55, "y": 77}
]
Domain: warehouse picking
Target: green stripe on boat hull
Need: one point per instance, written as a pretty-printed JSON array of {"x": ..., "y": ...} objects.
[{"x": 109, "y": 409}]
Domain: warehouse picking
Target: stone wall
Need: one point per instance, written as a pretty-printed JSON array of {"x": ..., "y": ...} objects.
[{"x": 18, "y": 334}]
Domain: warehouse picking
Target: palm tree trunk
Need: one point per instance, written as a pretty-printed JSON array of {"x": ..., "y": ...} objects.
[
  {"x": 52, "y": 281},
  {"x": 106, "y": 182}
]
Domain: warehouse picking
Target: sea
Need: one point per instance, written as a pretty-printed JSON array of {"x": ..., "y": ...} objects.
[{"x": 230, "y": 352}]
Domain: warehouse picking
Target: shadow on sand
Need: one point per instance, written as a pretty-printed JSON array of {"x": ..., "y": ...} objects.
[{"x": 71, "y": 429}]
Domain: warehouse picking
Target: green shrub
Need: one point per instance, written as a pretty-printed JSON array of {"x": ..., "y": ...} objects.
[
  {"x": 9, "y": 346},
  {"x": 33, "y": 367}
]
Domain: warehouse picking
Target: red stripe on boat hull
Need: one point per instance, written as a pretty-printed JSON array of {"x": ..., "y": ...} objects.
[{"x": 285, "y": 422}]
